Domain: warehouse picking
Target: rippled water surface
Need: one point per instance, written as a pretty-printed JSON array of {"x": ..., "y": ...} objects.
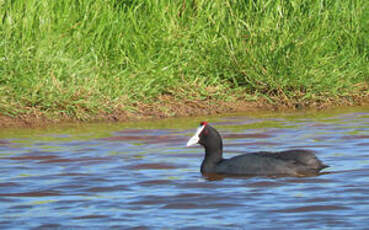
[{"x": 140, "y": 175}]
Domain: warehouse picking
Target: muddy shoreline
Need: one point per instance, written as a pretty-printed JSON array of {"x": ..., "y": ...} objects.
[{"x": 167, "y": 107}]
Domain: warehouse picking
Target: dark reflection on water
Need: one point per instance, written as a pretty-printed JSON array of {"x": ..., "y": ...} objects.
[{"x": 106, "y": 176}]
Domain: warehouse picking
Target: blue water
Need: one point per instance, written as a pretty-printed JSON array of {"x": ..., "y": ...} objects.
[{"x": 140, "y": 175}]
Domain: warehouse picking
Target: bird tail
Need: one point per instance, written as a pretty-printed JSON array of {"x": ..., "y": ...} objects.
[{"x": 322, "y": 166}]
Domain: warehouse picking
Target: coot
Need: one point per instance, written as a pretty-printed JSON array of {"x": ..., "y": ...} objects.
[{"x": 286, "y": 163}]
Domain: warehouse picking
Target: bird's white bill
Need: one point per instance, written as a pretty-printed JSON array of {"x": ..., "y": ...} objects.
[{"x": 195, "y": 138}]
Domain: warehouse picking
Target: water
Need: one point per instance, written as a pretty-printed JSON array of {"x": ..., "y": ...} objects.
[{"x": 140, "y": 175}]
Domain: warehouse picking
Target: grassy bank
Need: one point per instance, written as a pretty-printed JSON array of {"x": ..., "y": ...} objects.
[{"x": 78, "y": 58}]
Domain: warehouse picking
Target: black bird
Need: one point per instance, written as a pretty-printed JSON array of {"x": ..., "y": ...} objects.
[{"x": 286, "y": 163}]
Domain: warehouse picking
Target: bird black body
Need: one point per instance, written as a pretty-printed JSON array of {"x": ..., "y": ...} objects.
[{"x": 285, "y": 163}]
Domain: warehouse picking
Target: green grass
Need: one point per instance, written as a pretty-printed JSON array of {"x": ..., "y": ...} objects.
[{"x": 82, "y": 57}]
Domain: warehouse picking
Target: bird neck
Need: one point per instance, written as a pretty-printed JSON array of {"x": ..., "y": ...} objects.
[
  {"x": 213, "y": 154},
  {"x": 212, "y": 157}
]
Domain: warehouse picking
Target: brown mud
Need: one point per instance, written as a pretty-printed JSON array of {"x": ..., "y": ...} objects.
[{"x": 167, "y": 106}]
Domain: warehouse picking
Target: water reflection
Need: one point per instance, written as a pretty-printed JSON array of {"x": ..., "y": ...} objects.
[{"x": 140, "y": 175}]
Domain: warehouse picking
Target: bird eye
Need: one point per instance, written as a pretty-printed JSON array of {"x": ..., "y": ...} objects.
[{"x": 204, "y": 132}]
